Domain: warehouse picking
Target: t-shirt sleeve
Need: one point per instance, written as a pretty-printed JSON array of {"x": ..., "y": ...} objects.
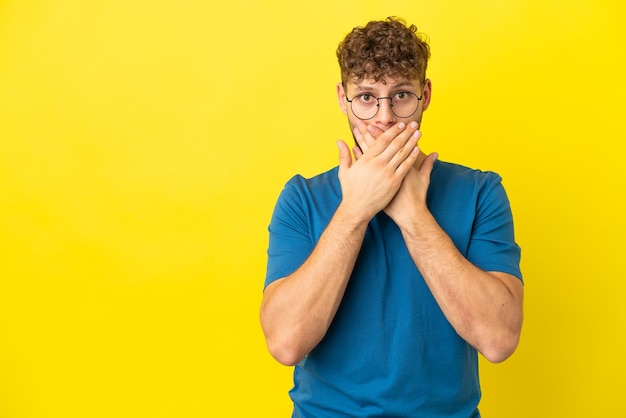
[
  {"x": 290, "y": 241},
  {"x": 492, "y": 246}
]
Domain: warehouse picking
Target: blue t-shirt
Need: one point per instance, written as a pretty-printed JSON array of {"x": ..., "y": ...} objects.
[{"x": 390, "y": 351}]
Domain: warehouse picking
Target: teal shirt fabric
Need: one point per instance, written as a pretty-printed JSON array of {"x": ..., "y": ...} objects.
[{"x": 390, "y": 351}]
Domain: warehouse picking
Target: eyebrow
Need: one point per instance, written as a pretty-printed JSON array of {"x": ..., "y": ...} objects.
[{"x": 401, "y": 84}]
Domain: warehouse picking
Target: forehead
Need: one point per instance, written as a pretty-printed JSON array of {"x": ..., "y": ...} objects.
[{"x": 385, "y": 84}]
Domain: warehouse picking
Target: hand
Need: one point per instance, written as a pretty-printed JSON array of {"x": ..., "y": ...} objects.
[
  {"x": 412, "y": 193},
  {"x": 369, "y": 182}
]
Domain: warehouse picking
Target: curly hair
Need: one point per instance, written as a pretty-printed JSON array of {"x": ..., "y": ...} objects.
[{"x": 380, "y": 49}]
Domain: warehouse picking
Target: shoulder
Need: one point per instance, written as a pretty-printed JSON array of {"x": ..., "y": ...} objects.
[
  {"x": 450, "y": 173},
  {"x": 455, "y": 185},
  {"x": 323, "y": 185},
  {"x": 309, "y": 198},
  {"x": 306, "y": 205},
  {"x": 324, "y": 179}
]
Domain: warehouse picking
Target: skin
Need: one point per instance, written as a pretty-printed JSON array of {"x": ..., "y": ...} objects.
[{"x": 388, "y": 172}]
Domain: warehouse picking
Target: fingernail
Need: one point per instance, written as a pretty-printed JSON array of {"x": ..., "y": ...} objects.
[
  {"x": 401, "y": 125},
  {"x": 417, "y": 134},
  {"x": 413, "y": 125}
]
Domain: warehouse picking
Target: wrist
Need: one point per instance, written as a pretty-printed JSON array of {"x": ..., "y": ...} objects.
[
  {"x": 417, "y": 223},
  {"x": 351, "y": 218}
]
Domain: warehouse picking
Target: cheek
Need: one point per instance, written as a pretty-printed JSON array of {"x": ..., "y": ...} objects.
[
  {"x": 418, "y": 119},
  {"x": 351, "y": 121}
]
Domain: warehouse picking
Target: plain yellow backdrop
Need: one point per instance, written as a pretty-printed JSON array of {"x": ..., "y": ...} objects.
[{"x": 143, "y": 145}]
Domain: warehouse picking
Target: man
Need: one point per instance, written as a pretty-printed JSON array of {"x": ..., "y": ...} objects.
[{"x": 387, "y": 274}]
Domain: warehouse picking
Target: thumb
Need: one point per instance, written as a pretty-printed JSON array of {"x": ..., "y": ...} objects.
[
  {"x": 345, "y": 159},
  {"x": 428, "y": 163}
]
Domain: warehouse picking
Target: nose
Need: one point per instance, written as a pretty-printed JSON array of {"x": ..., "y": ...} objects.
[{"x": 385, "y": 114}]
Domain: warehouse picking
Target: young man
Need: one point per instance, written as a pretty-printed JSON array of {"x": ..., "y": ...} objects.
[{"x": 386, "y": 275}]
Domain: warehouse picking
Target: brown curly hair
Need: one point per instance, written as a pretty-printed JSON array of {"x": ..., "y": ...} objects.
[{"x": 380, "y": 49}]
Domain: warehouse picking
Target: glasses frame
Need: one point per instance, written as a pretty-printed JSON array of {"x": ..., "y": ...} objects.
[{"x": 378, "y": 99}]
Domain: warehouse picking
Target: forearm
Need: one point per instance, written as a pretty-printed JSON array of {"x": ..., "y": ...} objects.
[
  {"x": 485, "y": 308},
  {"x": 297, "y": 310}
]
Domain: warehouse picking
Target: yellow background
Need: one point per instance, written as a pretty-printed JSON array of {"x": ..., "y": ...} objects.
[{"x": 143, "y": 145}]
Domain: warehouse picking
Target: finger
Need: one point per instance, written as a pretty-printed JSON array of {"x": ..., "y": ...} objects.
[
  {"x": 406, "y": 164},
  {"x": 357, "y": 152},
  {"x": 368, "y": 133},
  {"x": 375, "y": 131},
  {"x": 345, "y": 159},
  {"x": 361, "y": 136},
  {"x": 360, "y": 141},
  {"x": 402, "y": 146},
  {"x": 406, "y": 157},
  {"x": 428, "y": 163},
  {"x": 390, "y": 141}
]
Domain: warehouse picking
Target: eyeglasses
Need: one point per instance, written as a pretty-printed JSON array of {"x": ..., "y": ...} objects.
[{"x": 403, "y": 104}]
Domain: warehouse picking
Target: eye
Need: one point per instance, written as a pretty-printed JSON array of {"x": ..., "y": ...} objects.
[
  {"x": 366, "y": 98},
  {"x": 403, "y": 95}
]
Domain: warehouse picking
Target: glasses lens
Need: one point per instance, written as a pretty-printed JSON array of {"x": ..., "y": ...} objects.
[
  {"x": 404, "y": 104},
  {"x": 364, "y": 106}
]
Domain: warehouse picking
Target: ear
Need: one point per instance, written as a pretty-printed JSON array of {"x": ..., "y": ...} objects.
[
  {"x": 341, "y": 96},
  {"x": 426, "y": 94}
]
